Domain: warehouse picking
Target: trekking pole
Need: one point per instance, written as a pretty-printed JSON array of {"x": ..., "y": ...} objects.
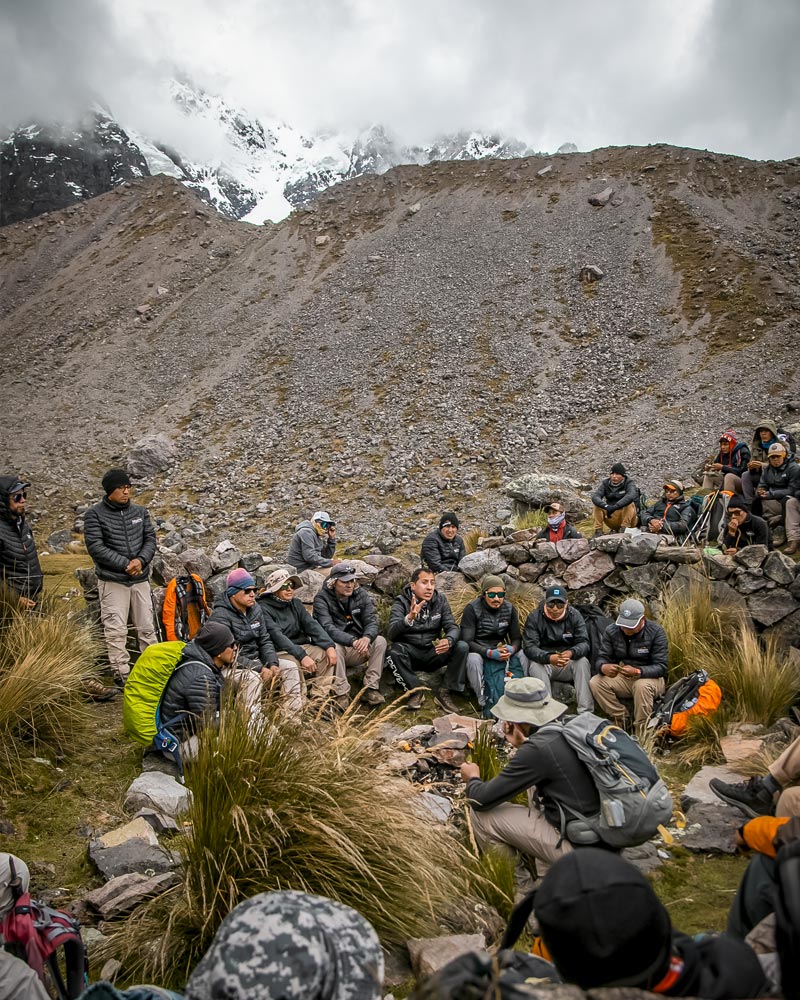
[{"x": 705, "y": 516}]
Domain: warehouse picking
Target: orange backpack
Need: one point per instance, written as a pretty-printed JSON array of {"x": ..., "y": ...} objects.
[{"x": 185, "y": 607}]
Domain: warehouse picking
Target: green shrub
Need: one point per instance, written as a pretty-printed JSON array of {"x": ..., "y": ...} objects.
[
  {"x": 275, "y": 806},
  {"x": 44, "y": 661}
]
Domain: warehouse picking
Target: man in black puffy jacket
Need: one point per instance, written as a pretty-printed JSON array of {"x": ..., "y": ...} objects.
[
  {"x": 347, "y": 614},
  {"x": 556, "y": 646},
  {"x": 425, "y": 636},
  {"x": 442, "y": 548},
  {"x": 490, "y": 627},
  {"x": 615, "y": 502},
  {"x": 19, "y": 562},
  {"x": 778, "y": 494},
  {"x": 671, "y": 516},
  {"x": 121, "y": 540}
]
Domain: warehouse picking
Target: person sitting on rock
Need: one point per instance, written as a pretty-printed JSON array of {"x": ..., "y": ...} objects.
[
  {"x": 631, "y": 665},
  {"x": 778, "y": 492},
  {"x": 313, "y": 544},
  {"x": 741, "y": 528},
  {"x": 545, "y": 766},
  {"x": 490, "y": 627},
  {"x": 297, "y": 637},
  {"x": 347, "y": 613},
  {"x": 557, "y": 526},
  {"x": 424, "y": 636},
  {"x": 615, "y": 502},
  {"x": 193, "y": 692},
  {"x": 725, "y": 469},
  {"x": 238, "y": 609},
  {"x": 443, "y": 548},
  {"x": 764, "y": 436},
  {"x": 671, "y": 516},
  {"x": 603, "y": 925},
  {"x": 556, "y": 646}
]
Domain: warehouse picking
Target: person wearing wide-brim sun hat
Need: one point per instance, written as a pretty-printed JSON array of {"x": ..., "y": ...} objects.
[{"x": 544, "y": 762}]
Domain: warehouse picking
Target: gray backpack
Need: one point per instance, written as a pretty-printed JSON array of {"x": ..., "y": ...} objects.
[{"x": 634, "y": 801}]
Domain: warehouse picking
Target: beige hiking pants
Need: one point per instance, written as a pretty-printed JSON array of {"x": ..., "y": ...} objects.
[
  {"x": 511, "y": 829},
  {"x": 118, "y": 603},
  {"x": 346, "y": 656},
  {"x": 625, "y": 517},
  {"x": 327, "y": 682},
  {"x": 786, "y": 771},
  {"x": 642, "y": 691}
]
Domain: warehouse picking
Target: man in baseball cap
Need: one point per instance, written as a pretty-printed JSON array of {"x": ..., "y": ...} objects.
[
  {"x": 631, "y": 665},
  {"x": 670, "y": 516},
  {"x": 19, "y": 562},
  {"x": 545, "y": 764},
  {"x": 778, "y": 493},
  {"x": 313, "y": 544}
]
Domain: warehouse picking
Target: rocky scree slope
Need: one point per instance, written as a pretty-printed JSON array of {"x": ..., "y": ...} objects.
[{"x": 409, "y": 341}]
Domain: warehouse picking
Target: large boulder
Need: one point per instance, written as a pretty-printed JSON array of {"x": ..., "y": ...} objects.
[
  {"x": 58, "y": 540},
  {"x": 769, "y": 607},
  {"x": 535, "y": 490},
  {"x": 718, "y": 566},
  {"x": 380, "y": 561},
  {"x": 572, "y": 549},
  {"x": 752, "y": 556},
  {"x": 391, "y": 579},
  {"x": 606, "y": 543},
  {"x": 589, "y": 569},
  {"x": 365, "y": 570},
  {"x": 150, "y": 455},
  {"x": 514, "y": 553},
  {"x": 166, "y": 565},
  {"x": 786, "y": 631},
  {"x": 428, "y": 955},
  {"x": 131, "y": 848},
  {"x": 225, "y": 556},
  {"x": 645, "y": 581},
  {"x": 544, "y": 552},
  {"x": 711, "y": 828},
  {"x": 636, "y": 550},
  {"x": 476, "y": 565},
  {"x": 198, "y": 562},
  {"x": 779, "y": 567},
  {"x": 687, "y": 580},
  {"x": 312, "y": 585},
  {"x": 251, "y": 561}
]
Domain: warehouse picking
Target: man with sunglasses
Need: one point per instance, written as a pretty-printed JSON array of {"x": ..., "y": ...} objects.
[
  {"x": 300, "y": 639},
  {"x": 121, "y": 540},
  {"x": 238, "y": 609},
  {"x": 556, "y": 644},
  {"x": 670, "y": 516},
  {"x": 313, "y": 544},
  {"x": 19, "y": 562},
  {"x": 490, "y": 627}
]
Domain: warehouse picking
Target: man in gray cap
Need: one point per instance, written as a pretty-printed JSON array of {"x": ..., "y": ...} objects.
[
  {"x": 631, "y": 665},
  {"x": 545, "y": 766},
  {"x": 348, "y": 615},
  {"x": 290, "y": 946}
]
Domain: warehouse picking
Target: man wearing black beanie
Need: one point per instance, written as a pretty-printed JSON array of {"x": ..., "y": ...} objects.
[
  {"x": 615, "y": 502},
  {"x": 442, "y": 548},
  {"x": 121, "y": 540},
  {"x": 604, "y": 926}
]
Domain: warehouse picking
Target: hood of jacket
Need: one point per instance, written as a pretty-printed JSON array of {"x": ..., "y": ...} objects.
[
  {"x": 307, "y": 525},
  {"x": 770, "y": 426},
  {"x": 6, "y": 483}
]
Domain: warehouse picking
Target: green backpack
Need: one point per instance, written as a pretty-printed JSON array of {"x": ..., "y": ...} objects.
[{"x": 144, "y": 689}]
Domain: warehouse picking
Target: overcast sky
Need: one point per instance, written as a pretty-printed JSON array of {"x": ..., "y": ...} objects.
[{"x": 722, "y": 74}]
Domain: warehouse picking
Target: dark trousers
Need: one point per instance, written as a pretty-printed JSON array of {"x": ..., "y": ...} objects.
[
  {"x": 755, "y": 897},
  {"x": 404, "y": 660}
]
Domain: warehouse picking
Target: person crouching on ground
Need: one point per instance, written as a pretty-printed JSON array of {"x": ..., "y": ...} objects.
[{"x": 615, "y": 502}]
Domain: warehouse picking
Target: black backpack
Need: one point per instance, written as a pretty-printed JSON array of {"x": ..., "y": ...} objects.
[{"x": 679, "y": 697}]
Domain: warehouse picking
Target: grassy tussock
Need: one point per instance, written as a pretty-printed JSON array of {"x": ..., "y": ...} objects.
[
  {"x": 471, "y": 539},
  {"x": 277, "y": 807},
  {"x": 530, "y": 519},
  {"x": 756, "y": 677},
  {"x": 696, "y": 628},
  {"x": 44, "y": 661}
]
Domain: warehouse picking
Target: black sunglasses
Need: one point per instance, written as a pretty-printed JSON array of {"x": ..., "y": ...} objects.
[
  {"x": 19, "y": 497},
  {"x": 249, "y": 590}
]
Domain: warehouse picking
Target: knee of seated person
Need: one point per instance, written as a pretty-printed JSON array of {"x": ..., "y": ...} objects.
[{"x": 460, "y": 647}]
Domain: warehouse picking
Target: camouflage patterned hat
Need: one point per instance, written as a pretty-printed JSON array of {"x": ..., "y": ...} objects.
[{"x": 290, "y": 944}]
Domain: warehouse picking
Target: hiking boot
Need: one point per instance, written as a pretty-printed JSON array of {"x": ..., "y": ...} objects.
[
  {"x": 119, "y": 681},
  {"x": 444, "y": 698},
  {"x": 778, "y": 536},
  {"x": 341, "y": 702},
  {"x": 372, "y": 696},
  {"x": 793, "y": 547},
  {"x": 414, "y": 703},
  {"x": 752, "y": 797},
  {"x": 96, "y": 691}
]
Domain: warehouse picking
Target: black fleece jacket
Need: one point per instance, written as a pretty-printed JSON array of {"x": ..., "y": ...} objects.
[
  {"x": 115, "y": 534},
  {"x": 290, "y": 626},
  {"x": 752, "y": 531},
  {"x": 249, "y": 630},
  {"x": 435, "y": 618},
  {"x": 543, "y": 636},
  {"x": 346, "y": 620},
  {"x": 547, "y": 761},
  {"x": 19, "y": 561}
]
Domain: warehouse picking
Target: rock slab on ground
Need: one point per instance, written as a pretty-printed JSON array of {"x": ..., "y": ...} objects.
[
  {"x": 711, "y": 828},
  {"x": 122, "y": 894},
  {"x": 155, "y": 790},
  {"x": 428, "y": 955},
  {"x": 698, "y": 791}
]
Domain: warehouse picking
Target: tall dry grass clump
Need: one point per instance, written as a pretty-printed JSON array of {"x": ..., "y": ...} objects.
[
  {"x": 696, "y": 628},
  {"x": 44, "y": 660},
  {"x": 277, "y": 805}
]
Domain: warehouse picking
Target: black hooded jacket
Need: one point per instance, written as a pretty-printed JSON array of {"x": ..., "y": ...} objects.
[
  {"x": 249, "y": 630},
  {"x": 752, "y": 531},
  {"x": 291, "y": 626},
  {"x": 192, "y": 692},
  {"x": 346, "y": 620},
  {"x": 115, "y": 534},
  {"x": 441, "y": 555},
  {"x": 19, "y": 562},
  {"x": 613, "y": 497}
]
